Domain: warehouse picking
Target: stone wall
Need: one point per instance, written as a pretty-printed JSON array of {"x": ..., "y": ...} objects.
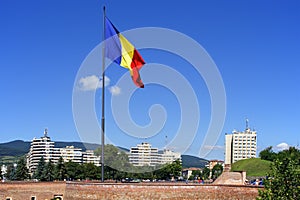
[{"x": 134, "y": 191}]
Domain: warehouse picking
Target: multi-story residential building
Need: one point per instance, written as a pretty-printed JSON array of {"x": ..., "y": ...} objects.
[
  {"x": 70, "y": 153},
  {"x": 240, "y": 145},
  {"x": 144, "y": 155},
  {"x": 41, "y": 147},
  {"x": 44, "y": 147},
  {"x": 89, "y": 157},
  {"x": 169, "y": 156}
]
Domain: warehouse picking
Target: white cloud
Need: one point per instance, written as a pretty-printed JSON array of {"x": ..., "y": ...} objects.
[
  {"x": 216, "y": 147},
  {"x": 115, "y": 90},
  {"x": 282, "y": 146},
  {"x": 92, "y": 83}
]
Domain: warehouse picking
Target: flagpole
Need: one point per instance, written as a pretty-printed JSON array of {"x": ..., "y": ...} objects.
[{"x": 103, "y": 96}]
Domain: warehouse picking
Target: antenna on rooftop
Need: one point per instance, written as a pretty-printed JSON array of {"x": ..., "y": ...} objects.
[
  {"x": 247, "y": 123},
  {"x": 46, "y": 132},
  {"x": 166, "y": 141}
]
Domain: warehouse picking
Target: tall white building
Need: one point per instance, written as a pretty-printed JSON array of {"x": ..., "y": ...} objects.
[
  {"x": 240, "y": 145},
  {"x": 41, "y": 147},
  {"x": 44, "y": 147},
  {"x": 144, "y": 155}
]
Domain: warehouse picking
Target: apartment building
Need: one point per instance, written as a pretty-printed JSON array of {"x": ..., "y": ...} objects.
[
  {"x": 89, "y": 157},
  {"x": 168, "y": 156},
  {"x": 145, "y": 155},
  {"x": 41, "y": 147},
  {"x": 44, "y": 147},
  {"x": 240, "y": 145},
  {"x": 70, "y": 153}
]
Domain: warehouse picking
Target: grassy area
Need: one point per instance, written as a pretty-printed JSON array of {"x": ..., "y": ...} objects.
[
  {"x": 253, "y": 166},
  {"x": 6, "y": 160}
]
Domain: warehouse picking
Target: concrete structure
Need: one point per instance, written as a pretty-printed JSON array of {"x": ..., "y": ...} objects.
[
  {"x": 89, "y": 157},
  {"x": 169, "y": 156},
  {"x": 44, "y": 147},
  {"x": 231, "y": 178},
  {"x": 144, "y": 155},
  {"x": 41, "y": 147},
  {"x": 70, "y": 153},
  {"x": 240, "y": 145}
]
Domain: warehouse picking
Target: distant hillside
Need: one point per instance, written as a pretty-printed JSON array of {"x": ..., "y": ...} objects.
[
  {"x": 193, "y": 161},
  {"x": 14, "y": 148},
  {"x": 253, "y": 166}
]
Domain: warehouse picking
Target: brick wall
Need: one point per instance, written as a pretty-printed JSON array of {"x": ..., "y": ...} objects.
[
  {"x": 25, "y": 190},
  {"x": 137, "y": 191}
]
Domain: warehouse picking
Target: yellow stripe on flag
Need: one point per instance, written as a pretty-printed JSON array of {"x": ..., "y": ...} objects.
[{"x": 127, "y": 52}]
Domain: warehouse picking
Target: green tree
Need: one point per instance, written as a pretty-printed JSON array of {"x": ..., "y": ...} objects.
[
  {"x": 268, "y": 154},
  {"x": 60, "y": 170},
  {"x": 10, "y": 172},
  {"x": 283, "y": 181},
  {"x": 217, "y": 171},
  {"x": 292, "y": 153},
  {"x": 74, "y": 171},
  {"x": 114, "y": 158},
  {"x": 48, "y": 172},
  {"x": 38, "y": 173},
  {"x": 192, "y": 177},
  {"x": 169, "y": 170},
  {"x": 176, "y": 168},
  {"x": 196, "y": 174},
  {"x": 91, "y": 171},
  {"x": 205, "y": 173},
  {"x": 21, "y": 170}
]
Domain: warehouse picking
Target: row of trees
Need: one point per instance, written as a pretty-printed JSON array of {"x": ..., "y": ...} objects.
[
  {"x": 283, "y": 181},
  {"x": 47, "y": 171},
  {"x": 117, "y": 167}
]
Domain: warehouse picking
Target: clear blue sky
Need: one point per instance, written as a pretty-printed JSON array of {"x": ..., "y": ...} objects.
[{"x": 255, "y": 45}]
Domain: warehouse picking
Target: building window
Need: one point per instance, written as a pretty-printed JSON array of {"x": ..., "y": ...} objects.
[{"x": 33, "y": 198}]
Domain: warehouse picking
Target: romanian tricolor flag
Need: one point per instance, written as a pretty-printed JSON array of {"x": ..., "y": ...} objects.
[{"x": 122, "y": 52}]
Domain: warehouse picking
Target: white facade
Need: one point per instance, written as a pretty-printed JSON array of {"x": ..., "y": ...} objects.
[
  {"x": 144, "y": 155},
  {"x": 3, "y": 170},
  {"x": 228, "y": 148},
  {"x": 169, "y": 156},
  {"x": 41, "y": 147},
  {"x": 70, "y": 153},
  {"x": 44, "y": 147},
  {"x": 89, "y": 157},
  {"x": 240, "y": 145}
]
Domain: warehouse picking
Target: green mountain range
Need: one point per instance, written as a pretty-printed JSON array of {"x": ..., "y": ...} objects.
[{"x": 10, "y": 151}]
